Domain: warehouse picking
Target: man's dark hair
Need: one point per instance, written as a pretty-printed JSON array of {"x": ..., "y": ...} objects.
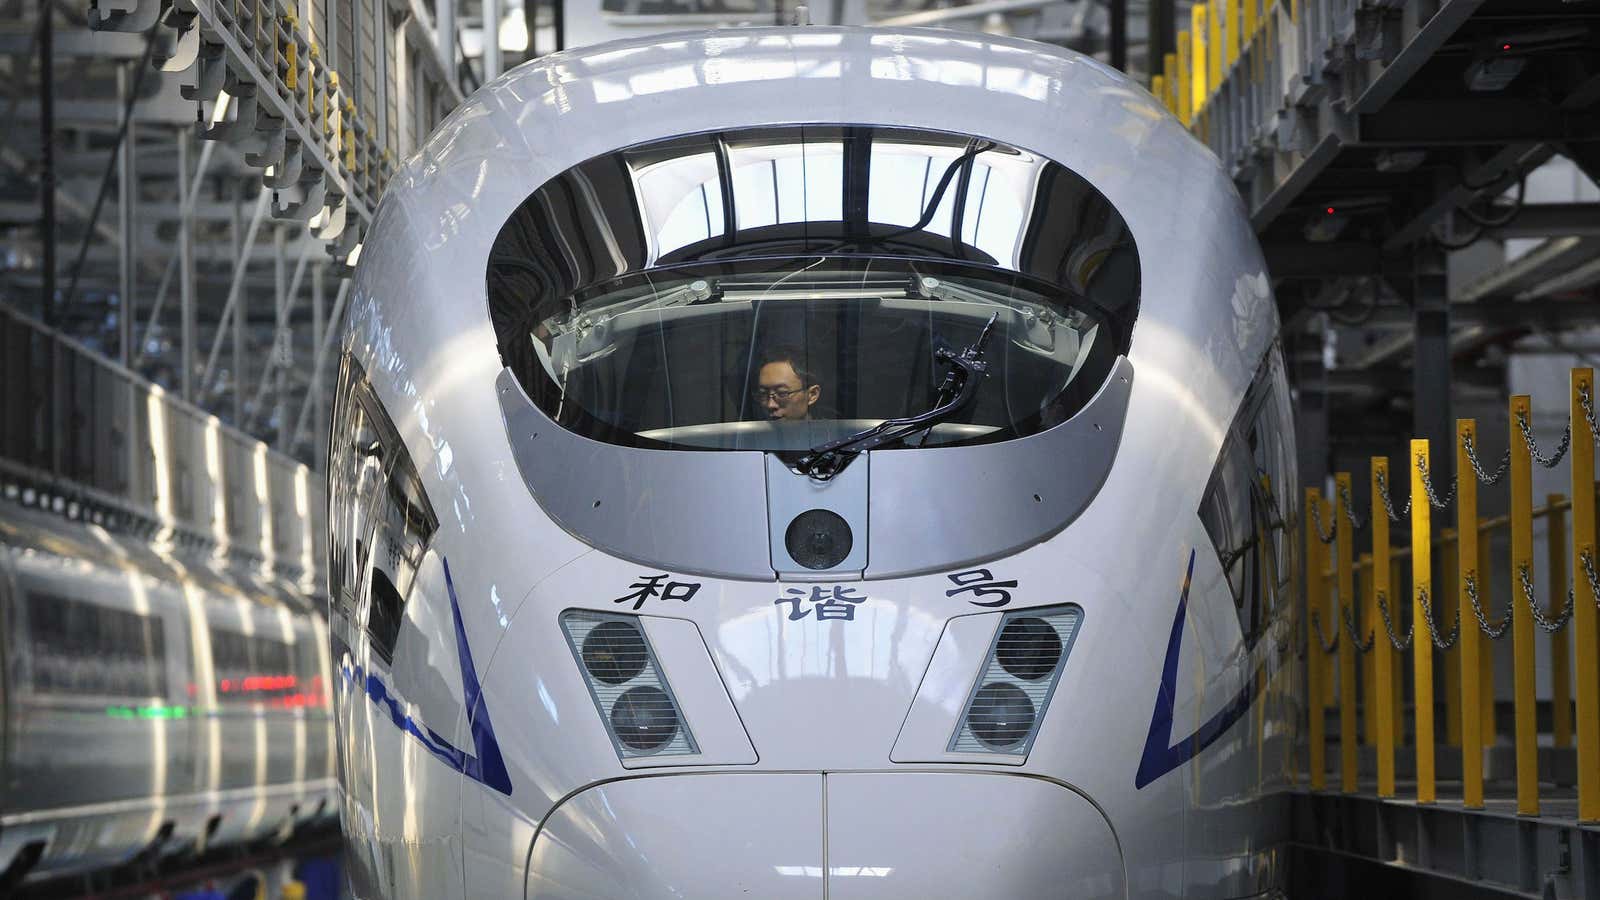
[{"x": 791, "y": 354}]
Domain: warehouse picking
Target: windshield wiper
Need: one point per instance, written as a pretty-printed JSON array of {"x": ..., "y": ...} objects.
[{"x": 960, "y": 386}]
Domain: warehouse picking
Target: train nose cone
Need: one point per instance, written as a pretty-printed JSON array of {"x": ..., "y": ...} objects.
[
  {"x": 710, "y": 836},
  {"x": 870, "y": 835}
]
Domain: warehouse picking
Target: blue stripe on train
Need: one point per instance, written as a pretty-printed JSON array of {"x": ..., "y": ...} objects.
[
  {"x": 485, "y": 765},
  {"x": 1160, "y": 754}
]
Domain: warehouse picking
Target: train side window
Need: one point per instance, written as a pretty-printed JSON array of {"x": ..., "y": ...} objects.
[
  {"x": 84, "y": 649},
  {"x": 1244, "y": 508},
  {"x": 383, "y": 519}
]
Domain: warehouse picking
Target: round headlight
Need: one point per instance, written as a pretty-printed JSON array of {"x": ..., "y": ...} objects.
[
  {"x": 614, "y": 652},
  {"x": 1028, "y": 648},
  {"x": 1001, "y": 716},
  {"x": 643, "y": 718},
  {"x": 818, "y": 539}
]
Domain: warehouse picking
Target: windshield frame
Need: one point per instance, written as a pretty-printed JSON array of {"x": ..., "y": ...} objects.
[{"x": 578, "y": 242}]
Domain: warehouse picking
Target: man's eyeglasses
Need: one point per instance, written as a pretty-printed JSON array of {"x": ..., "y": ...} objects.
[{"x": 781, "y": 395}]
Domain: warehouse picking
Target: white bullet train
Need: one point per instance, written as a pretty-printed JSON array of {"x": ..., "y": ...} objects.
[
  {"x": 158, "y": 701},
  {"x": 813, "y": 462}
]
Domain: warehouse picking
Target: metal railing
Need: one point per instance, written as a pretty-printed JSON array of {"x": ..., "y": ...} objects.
[
  {"x": 1367, "y": 639},
  {"x": 88, "y": 439},
  {"x": 1275, "y": 85},
  {"x": 324, "y": 96}
]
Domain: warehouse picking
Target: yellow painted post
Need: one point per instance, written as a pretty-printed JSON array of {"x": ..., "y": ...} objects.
[
  {"x": 1560, "y": 654},
  {"x": 1397, "y": 588},
  {"x": 1214, "y": 46},
  {"x": 1169, "y": 68},
  {"x": 1366, "y": 579},
  {"x": 1466, "y": 556},
  {"x": 1584, "y": 635},
  {"x": 1448, "y": 592},
  {"x": 1158, "y": 87},
  {"x": 1526, "y": 733},
  {"x": 1235, "y": 15},
  {"x": 1330, "y": 680},
  {"x": 1347, "y": 649},
  {"x": 1316, "y": 586},
  {"x": 1486, "y": 692},
  {"x": 1250, "y": 21},
  {"x": 1198, "y": 58},
  {"x": 1185, "y": 79},
  {"x": 1422, "y": 645},
  {"x": 1382, "y": 650}
]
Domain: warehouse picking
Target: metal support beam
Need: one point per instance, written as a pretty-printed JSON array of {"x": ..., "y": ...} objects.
[
  {"x": 445, "y": 34},
  {"x": 1311, "y": 421},
  {"x": 315, "y": 395},
  {"x": 1119, "y": 36},
  {"x": 1430, "y": 371},
  {"x": 323, "y": 348},
  {"x": 491, "y": 40},
  {"x": 280, "y": 344},
  {"x": 263, "y": 200},
  {"x": 186, "y": 337},
  {"x": 127, "y": 265},
  {"x": 47, "y": 170}
]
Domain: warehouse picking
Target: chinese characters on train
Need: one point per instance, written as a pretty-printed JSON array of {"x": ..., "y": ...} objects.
[
  {"x": 982, "y": 584},
  {"x": 651, "y": 586},
  {"x": 823, "y": 603}
]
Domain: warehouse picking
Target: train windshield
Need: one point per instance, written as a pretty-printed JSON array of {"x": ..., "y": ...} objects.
[
  {"x": 781, "y": 288},
  {"x": 794, "y": 355}
]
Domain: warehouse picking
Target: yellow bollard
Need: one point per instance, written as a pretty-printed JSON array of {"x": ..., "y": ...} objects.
[
  {"x": 1185, "y": 79},
  {"x": 1158, "y": 87},
  {"x": 1235, "y": 14},
  {"x": 1560, "y": 654},
  {"x": 1198, "y": 59},
  {"x": 1316, "y": 585},
  {"x": 1422, "y": 645},
  {"x": 1587, "y": 668},
  {"x": 1214, "y": 46},
  {"x": 1467, "y": 550},
  {"x": 1369, "y": 661},
  {"x": 1526, "y": 732},
  {"x": 1250, "y": 20},
  {"x": 1382, "y": 650},
  {"x": 1486, "y": 692},
  {"x": 1449, "y": 590},
  {"x": 1347, "y": 650}
]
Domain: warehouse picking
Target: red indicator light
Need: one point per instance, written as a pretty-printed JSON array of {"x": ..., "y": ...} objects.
[
  {"x": 1330, "y": 210},
  {"x": 1505, "y": 46},
  {"x": 227, "y": 685}
]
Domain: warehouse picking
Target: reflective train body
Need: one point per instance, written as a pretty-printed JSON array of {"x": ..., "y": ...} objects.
[
  {"x": 156, "y": 701},
  {"x": 813, "y": 462}
]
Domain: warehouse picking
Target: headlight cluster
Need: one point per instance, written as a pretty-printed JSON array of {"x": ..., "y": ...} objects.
[
  {"x": 1020, "y": 673},
  {"x": 627, "y": 685}
]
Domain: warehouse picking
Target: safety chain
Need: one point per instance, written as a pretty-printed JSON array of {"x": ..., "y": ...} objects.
[
  {"x": 1477, "y": 467},
  {"x": 1350, "y": 509},
  {"x": 1316, "y": 520},
  {"x": 1388, "y": 505},
  {"x": 1388, "y": 625},
  {"x": 1550, "y": 625},
  {"x": 1549, "y": 462},
  {"x": 1327, "y": 645},
  {"x": 1354, "y": 632},
  {"x": 1427, "y": 486},
  {"x": 1495, "y": 632},
  {"x": 1588, "y": 570},
  {"x": 1588, "y": 411},
  {"x": 1433, "y": 633}
]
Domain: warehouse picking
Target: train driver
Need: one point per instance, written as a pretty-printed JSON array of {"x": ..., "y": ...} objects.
[{"x": 785, "y": 386}]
